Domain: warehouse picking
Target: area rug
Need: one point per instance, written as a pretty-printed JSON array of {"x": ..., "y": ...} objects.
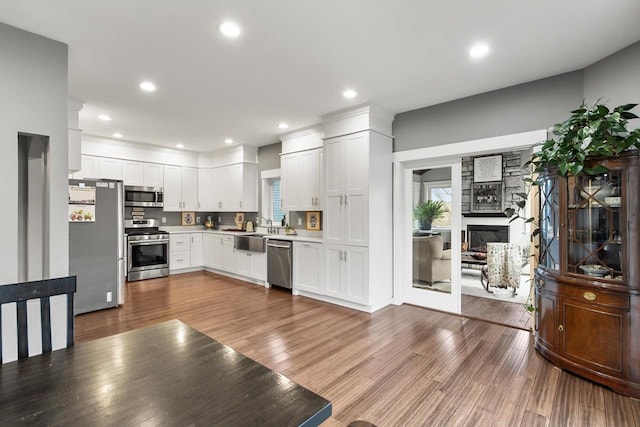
[{"x": 471, "y": 286}]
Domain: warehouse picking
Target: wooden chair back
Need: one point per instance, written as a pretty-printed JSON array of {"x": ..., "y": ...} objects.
[{"x": 42, "y": 290}]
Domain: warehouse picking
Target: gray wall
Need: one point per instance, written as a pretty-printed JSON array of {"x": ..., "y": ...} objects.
[
  {"x": 269, "y": 156},
  {"x": 33, "y": 100},
  {"x": 615, "y": 80},
  {"x": 529, "y": 106},
  {"x": 33, "y": 82}
]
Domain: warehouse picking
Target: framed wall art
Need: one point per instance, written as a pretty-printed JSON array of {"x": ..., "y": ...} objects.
[
  {"x": 188, "y": 218},
  {"x": 487, "y": 168},
  {"x": 487, "y": 198},
  {"x": 313, "y": 220}
]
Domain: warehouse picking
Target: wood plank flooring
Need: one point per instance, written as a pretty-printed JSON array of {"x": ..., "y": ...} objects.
[
  {"x": 400, "y": 366},
  {"x": 501, "y": 312}
]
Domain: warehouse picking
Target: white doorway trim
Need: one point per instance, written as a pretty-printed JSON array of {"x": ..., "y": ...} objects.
[{"x": 404, "y": 162}]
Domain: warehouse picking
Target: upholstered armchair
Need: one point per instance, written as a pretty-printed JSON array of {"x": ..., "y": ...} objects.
[{"x": 431, "y": 263}]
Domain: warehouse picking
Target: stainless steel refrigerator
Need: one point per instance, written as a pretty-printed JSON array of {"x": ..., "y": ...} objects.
[{"x": 96, "y": 243}]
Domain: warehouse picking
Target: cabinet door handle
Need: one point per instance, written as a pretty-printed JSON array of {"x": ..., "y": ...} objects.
[
  {"x": 198, "y": 205},
  {"x": 341, "y": 200},
  {"x": 313, "y": 201},
  {"x": 340, "y": 255},
  {"x": 561, "y": 328},
  {"x": 345, "y": 199}
]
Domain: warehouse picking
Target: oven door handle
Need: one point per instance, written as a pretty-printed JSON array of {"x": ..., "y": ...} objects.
[{"x": 148, "y": 242}]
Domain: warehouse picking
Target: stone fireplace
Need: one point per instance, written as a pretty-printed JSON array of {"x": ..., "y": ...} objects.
[{"x": 479, "y": 235}]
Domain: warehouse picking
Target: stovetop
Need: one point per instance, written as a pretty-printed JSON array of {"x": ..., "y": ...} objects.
[{"x": 142, "y": 228}]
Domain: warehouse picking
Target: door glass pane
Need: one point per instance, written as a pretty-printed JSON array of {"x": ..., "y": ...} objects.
[{"x": 431, "y": 238}]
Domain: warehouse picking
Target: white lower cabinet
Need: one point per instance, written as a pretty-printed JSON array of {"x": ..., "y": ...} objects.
[
  {"x": 179, "y": 251},
  {"x": 308, "y": 267},
  {"x": 196, "y": 250},
  {"x": 230, "y": 260},
  {"x": 185, "y": 251},
  {"x": 252, "y": 264},
  {"x": 219, "y": 252},
  {"x": 346, "y": 273},
  {"x": 213, "y": 251}
]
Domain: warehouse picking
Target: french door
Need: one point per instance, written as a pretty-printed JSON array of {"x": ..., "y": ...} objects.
[{"x": 430, "y": 261}]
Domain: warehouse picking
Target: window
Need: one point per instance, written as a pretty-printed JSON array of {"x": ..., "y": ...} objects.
[
  {"x": 440, "y": 191},
  {"x": 271, "y": 198},
  {"x": 276, "y": 209}
]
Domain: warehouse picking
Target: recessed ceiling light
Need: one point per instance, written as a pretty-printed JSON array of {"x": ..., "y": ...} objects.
[
  {"x": 148, "y": 86},
  {"x": 104, "y": 117},
  {"x": 228, "y": 141},
  {"x": 117, "y": 135},
  {"x": 180, "y": 145},
  {"x": 479, "y": 50},
  {"x": 229, "y": 29},
  {"x": 349, "y": 93},
  {"x": 283, "y": 125}
]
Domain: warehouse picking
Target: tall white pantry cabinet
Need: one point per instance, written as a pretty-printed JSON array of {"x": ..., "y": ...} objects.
[{"x": 358, "y": 209}]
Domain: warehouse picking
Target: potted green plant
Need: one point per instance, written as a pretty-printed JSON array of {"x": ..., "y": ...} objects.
[
  {"x": 429, "y": 211},
  {"x": 588, "y": 132}
]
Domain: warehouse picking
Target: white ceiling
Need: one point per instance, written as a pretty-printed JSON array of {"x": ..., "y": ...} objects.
[{"x": 294, "y": 58}]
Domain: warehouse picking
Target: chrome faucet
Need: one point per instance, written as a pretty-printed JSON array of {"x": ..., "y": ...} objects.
[{"x": 270, "y": 228}]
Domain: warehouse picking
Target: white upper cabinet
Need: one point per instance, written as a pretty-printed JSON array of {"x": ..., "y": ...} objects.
[
  {"x": 205, "y": 189},
  {"x": 133, "y": 173},
  {"x": 300, "y": 176},
  {"x": 180, "y": 188},
  {"x": 172, "y": 188},
  {"x": 310, "y": 180},
  {"x": 347, "y": 172},
  {"x": 235, "y": 188},
  {"x": 109, "y": 168},
  {"x": 153, "y": 175},
  {"x": 189, "y": 189},
  {"x": 88, "y": 168},
  {"x": 290, "y": 181}
]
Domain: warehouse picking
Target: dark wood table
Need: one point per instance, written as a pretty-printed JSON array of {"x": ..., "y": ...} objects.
[{"x": 167, "y": 374}]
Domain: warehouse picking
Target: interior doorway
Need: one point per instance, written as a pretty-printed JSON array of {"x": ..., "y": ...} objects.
[
  {"x": 33, "y": 207},
  {"x": 450, "y": 296}
]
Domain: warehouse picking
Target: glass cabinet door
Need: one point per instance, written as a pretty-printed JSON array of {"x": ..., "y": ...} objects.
[
  {"x": 594, "y": 225},
  {"x": 549, "y": 222}
]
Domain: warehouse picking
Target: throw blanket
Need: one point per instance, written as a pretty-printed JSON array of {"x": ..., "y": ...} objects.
[{"x": 504, "y": 264}]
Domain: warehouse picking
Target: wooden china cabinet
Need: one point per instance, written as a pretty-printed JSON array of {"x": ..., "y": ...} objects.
[{"x": 587, "y": 285}]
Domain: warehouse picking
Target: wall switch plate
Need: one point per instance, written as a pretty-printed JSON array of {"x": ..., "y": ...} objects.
[
  {"x": 109, "y": 296},
  {"x": 219, "y": 219},
  {"x": 197, "y": 220},
  {"x": 299, "y": 221},
  {"x": 164, "y": 219}
]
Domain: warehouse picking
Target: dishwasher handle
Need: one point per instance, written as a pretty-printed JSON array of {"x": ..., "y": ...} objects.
[{"x": 283, "y": 245}]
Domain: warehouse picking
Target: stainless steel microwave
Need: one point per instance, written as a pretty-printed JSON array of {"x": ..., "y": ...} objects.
[{"x": 143, "y": 196}]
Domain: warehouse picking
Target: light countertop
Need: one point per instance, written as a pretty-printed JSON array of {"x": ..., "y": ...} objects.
[{"x": 202, "y": 229}]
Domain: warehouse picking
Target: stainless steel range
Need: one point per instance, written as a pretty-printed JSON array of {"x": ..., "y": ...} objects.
[{"x": 147, "y": 250}]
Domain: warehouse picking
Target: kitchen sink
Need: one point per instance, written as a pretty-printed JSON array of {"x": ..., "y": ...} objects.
[{"x": 251, "y": 242}]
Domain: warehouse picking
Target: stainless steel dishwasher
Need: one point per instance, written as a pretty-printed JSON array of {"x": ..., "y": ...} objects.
[{"x": 279, "y": 263}]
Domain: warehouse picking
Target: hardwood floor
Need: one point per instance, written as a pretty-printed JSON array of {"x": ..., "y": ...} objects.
[
  {"x": 501, "y": 312},
  {"x": 400, "y": 366}
]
